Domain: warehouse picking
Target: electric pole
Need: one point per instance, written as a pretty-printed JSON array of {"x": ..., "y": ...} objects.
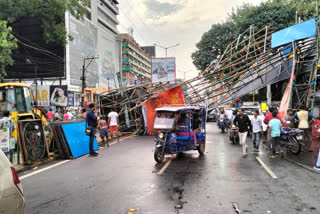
[{"x": 83, "y": 77}]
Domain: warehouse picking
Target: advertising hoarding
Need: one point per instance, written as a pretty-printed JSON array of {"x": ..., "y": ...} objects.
[
  {"x": 59, "y": 95},
  {"x": 42, "y": 96},
  {"x": 163, "y": 69}
]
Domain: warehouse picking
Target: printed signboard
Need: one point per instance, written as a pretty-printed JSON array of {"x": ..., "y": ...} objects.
[
  {"x": 70, "y": 99},
  {"x": 42, "y": 95},
  {"x": 59, "y": 95},
  {"x": 163, "y": 69}
]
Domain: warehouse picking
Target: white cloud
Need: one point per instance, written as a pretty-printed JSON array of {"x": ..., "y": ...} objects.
[{"x": 168, "y": 22}]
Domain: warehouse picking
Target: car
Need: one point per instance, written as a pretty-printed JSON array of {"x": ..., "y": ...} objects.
[
  {"x": 248, "y": 110},
  {"x": 11, "y": 193},
  {"x": 212, "y": 115}
]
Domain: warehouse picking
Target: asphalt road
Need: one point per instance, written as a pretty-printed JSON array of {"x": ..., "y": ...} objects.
[{"x": 125, "y": 176}]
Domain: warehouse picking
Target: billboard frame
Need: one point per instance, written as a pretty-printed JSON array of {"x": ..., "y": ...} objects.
[{"x": 175, "y": 65}]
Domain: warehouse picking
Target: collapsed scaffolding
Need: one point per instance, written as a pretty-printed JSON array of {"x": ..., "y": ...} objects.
[{"x": 252, "y": 61}]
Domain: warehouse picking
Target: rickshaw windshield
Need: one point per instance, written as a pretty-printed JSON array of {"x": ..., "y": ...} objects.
[{"x": 164, "y": 121}]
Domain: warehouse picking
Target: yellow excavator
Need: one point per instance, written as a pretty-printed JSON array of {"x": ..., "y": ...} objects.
[{"x": 16, "y": 98}]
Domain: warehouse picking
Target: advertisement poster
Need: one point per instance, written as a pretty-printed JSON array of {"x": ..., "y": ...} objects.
[
  {"x": 70, "y": 99},
  {"x": 59, "y": 95},
  {"x": 4, "y": 139},
  {"x": 42, "y": 95},
  {"x": 163, "y": 69},
  {"x": 171, "y": 96}
]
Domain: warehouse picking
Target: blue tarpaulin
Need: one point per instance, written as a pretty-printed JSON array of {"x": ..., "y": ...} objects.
[
  {"x": 77, "y": 140},
  {"x": 296, "y": 32}
]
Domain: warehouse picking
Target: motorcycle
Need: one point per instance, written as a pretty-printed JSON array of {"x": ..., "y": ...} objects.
[
  {"x": 233, "y": 135},
  {"x": 222, "y": 125},
  {"x": 292, "y": 140}
]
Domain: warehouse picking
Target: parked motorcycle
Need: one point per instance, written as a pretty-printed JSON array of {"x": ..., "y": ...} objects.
[
  {"x": 292, "y": 140},
  {"x": 234, "y": 135}
]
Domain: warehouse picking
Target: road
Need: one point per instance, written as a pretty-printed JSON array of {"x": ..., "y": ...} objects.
[{"x": 125, "y": 176}]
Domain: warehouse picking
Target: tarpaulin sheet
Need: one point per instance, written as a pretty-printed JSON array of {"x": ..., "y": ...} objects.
[
  {"x": 171, "y": 96},
  {"x": 296, "y": 32},
  {"x": 77, "y": 140}
]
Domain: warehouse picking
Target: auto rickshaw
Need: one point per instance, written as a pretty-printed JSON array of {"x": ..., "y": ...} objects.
[{"x": 179, "y": 129}]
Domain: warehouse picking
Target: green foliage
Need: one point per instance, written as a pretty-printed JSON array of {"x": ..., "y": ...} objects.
[
  {"x": 7, "y": 44},
  {"x": 278, "y": 14},
  {"x": 50, "y": 12}
]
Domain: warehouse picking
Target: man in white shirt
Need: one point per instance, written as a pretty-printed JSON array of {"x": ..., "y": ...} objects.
[
  {"x": 256, "y": 130},
  {"x": 113, "y": 121},
  {"x": 70, "y": 115}
]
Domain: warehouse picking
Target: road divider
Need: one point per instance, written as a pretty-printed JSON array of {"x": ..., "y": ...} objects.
[{"x": 266, "y": 168}]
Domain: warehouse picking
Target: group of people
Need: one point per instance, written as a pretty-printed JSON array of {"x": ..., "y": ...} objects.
[
  {"x": 66, "y": 114},
  {"x": 268, "y": 127},
  {"x": 106, "y": 125}
]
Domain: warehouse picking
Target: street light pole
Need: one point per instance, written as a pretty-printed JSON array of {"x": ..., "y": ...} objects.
[
  {"x": 166, "y": 48},
  {"x": 83, "y": 77}
]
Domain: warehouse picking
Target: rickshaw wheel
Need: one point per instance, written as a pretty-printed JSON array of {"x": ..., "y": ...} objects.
[
  {"x": 202, "y": 148},
  {"x": 159, "y": 155}
]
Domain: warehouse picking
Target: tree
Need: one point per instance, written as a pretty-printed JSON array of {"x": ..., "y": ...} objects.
[
  {"x": 50, "y": 12},
  {"x": 213, "y": 43},
  {"x": 7, "y": 43},
  {"x": 278, "y": 14}
]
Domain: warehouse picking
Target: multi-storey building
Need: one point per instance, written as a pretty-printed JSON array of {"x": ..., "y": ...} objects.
[
  {"x": 136, "y": 62},
  {"x": 94, "y": 36}
]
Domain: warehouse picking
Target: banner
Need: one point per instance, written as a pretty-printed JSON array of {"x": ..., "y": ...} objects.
[
  {"x": 284, "y": 105},
  {"x": 70, "y": 99},
  {"x": 59, "y": 95},
  {"x": 42, "y": 95},
  {"x": 4, "y": 137},
  {"x": 163, "y": 69},
  {"x": 171, "y": 96}
]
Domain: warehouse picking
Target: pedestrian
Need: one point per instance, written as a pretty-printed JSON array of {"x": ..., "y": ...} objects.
[
  {"x": 264, "y": 127},
  {"x": 256, "y": 130},
  {"x": 50, "y": 115},
  {"x": 274, "y": 132},
  {"x": 65, "y": 116},
  {"x": 243, "y": 124},
  {"x": 104, "y": 133},
  {"x": 70, "y": 114},
  {"x": 305, "y": 117},
  {"x": 6, "y": 122},
  {"x": 288, "y": 119},
  {"x": 269, "y": 117},
  {"x": 92, "y": 123},
  {"x": 113, "y": 121}
]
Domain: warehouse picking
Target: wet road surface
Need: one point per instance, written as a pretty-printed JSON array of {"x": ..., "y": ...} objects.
[{"x": 124, "y": 176}]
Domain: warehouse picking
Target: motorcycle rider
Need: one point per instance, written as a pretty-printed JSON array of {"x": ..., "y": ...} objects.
[{"x": 224, "y": 117}]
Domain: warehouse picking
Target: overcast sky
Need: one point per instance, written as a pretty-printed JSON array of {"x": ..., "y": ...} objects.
[{"x": 168, "y": 22}]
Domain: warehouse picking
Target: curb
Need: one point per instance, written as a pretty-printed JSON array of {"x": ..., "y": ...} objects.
[{"x": 302, "y": 165}]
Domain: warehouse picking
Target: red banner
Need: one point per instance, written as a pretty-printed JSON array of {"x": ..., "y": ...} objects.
[
  {"x": 172, "y": 96},
  {"x": 285, "y": 101}
]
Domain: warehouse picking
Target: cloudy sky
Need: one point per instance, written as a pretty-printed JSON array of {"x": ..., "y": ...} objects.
[{"x": 168, "y": 22}]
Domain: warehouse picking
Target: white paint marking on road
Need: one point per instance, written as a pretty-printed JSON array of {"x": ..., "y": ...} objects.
[
  {"x": 165, "y": 167},
  {"x": 42, "y": 170},
  {"x": 267, "y": 168}
]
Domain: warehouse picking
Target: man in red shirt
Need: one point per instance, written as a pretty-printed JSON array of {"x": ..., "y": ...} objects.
[
  {"x": 50, "y": 115},
  {"x": 269, "y": 117}
]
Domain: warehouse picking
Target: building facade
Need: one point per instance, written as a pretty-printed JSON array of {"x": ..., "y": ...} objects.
[
  {"x": 94, "y": 36},
  {"x": 136, "y": 62}
]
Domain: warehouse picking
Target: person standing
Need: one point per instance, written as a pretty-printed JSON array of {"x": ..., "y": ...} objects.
[
  {"x": 50, "y": 115},
  {"x": 104, "y": 133},
  {"x": 113, "y": 121},
  {"x": 304, "y": 117},
  {"x": 92, "y": 123},
  {"x": 264, "y": 128},
  {"x": 256, "y": 130},
  {"x": 243, "y": 124},
  {"x": 269, "y": 117},
  {"x": 274, "y": 132},
  {"x": 288, "y": 119},
  {"x": 65, "y": 116}
]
